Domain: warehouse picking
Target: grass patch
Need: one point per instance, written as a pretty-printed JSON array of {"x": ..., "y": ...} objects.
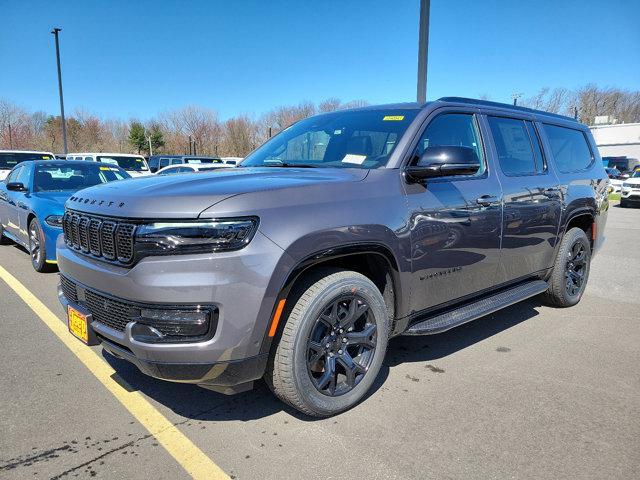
[{"x": 614, "y": 196}]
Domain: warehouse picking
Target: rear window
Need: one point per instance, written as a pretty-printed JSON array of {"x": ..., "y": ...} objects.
[
  {"x": 202, "y": 160},
  {"x": 8, "y": 160},
  {"x": 569, "y": 147}
]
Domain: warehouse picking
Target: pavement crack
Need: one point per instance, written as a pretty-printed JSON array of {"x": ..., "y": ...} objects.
[{"x": 18, "y": 461}]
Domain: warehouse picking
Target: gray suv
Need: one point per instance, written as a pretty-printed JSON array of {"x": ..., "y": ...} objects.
[{"x": 344, "y": 230}]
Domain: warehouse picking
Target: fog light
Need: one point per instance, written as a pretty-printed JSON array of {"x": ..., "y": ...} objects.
[{"x": 183, "y": 323}]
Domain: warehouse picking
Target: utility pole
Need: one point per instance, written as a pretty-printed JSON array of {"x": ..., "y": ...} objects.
[
  {"x": 64, "y": 123},
  {"x": 423, "y": 50},
  {"x": 150, "y": 148},
  {"x": 10, "y": 138}
]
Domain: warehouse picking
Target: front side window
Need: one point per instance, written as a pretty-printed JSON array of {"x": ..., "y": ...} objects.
[
  {"x": 513, "y": 145},
  {"x": 23, "y": 176},
  {"x": 569, "y": 147},
  {"x": 61, "y": 177},
  {"x": 136, "y": 164},
  {"x": 452, "y": 130},
  {"x": 346, "y": 139}
]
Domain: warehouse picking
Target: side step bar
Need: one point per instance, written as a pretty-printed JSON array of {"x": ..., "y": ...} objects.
[{"x": 479, "y": 308}]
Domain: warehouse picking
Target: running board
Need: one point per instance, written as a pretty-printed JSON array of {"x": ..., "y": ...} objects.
[{"x": 477, "y": 309}]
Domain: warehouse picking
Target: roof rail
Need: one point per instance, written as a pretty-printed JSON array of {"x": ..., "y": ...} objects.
[{"x": 487, "y": 103}]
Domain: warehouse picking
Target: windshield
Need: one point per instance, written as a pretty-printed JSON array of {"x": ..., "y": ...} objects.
[
  {"x": 636, "y": 174},
  {"x": 136, "y": 164},
  {"x": 356, "y": 139},
  {"x": 61, "y": 177},
  {"x": 8, "y": 160}
]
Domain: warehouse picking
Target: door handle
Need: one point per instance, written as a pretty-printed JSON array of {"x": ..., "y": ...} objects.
[{"x": 487, "y": 200}]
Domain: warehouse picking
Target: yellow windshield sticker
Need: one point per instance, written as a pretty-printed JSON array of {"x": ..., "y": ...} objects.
[
  {"x": 138, "y": 160},
  {"x": 393, "y": 118},
  {"x": 105, "y": 168},
  {"x": 46, "y": 157}
]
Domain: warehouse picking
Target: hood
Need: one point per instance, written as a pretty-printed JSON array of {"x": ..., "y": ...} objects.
[
  {"x": 52, "y": 202},
  {"x": 186, "y": 195}
]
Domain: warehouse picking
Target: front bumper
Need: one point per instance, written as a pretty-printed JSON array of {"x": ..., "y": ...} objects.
[
  {"x": 630, "y": 194},
  {"x": 232, "y": 283}
]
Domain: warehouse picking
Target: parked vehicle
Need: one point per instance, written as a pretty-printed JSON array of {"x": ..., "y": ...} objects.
[
  {"x": 630, "y": 192},
  {"x": 615, "y": 178},
  {"x": 342, "y": 231},
  {"x": 32, "y": 202},
  {"x": 134, "y": 165},
  {"x": 624, "y": 164},
  {"x": 157, "y": 162},
  {"x": 190, "y": 168},
  {"x": 10, "y": 158},
  {"x": 232, "y": 160}
]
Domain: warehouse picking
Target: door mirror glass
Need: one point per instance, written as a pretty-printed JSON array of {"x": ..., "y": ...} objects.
[
  {"x": 445, "y": 161},
  {"x": 16, "y": 187}
]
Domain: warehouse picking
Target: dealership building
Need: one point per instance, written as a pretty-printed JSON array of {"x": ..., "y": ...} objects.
[{"x": 620, "y": 140}]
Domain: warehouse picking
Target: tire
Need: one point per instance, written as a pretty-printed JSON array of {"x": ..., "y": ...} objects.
[
  {"x": 623, "y": 204},
  {"x": 37, "y": 248},
  {"x": 3, "y": 239},
  {"x": 571, "y": 269},
  {"x": 300, "y": 368}
]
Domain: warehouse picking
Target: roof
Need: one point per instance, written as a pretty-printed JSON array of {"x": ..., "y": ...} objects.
[
  {"x": 27, "y": 151},
  {"x": 106, "y": 153},
  {"x": 505, "y": 106}
]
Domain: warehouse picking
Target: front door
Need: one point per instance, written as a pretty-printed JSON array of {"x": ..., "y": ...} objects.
[
  {"x": 455, "y": 222},
  {"x": 532, "y": 202}
]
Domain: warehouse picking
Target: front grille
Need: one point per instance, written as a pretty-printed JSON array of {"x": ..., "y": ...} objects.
[
  {"x": 115, "y": 314},
  {"x": 69, "y": 289},
  {"x": 108, "y": 239}
]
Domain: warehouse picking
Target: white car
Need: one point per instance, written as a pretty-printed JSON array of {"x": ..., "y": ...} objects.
[
  {"x": 232, "y": 161},
  {"x": 616, "y": 184},
  {"x": 630, "y": 190},
  {"x": 10, "y": 158},
  {"x": 135, "y": 165},
  {"x": 191, "y": 168}
]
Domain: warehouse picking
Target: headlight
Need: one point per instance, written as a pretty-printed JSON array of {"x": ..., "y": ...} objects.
[
  {"x": 626, "y": 185},
  {"x": 54, "y": 220},
  {"x": 196, "y": 237}
]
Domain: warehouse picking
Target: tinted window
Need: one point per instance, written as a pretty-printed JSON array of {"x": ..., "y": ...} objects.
[
  {"x": 176, "y": 161},
  {"x": 513, "y": 145},
  {"x": 345, "y": 139},
  {"x": 61, "y": 177},
  {"x": 23, "y": 176},
  {"x": 136, "y": 164},
  {"x": 13, "y": 175},
  {"x": 569, "y": 147},
  {"x": 169, "y": 171},
  {"x": 452, "y": 129},
  {"x": 8, "y": 160}
]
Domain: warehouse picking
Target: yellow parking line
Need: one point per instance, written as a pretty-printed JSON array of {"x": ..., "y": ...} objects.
[{"x": 190, "y": 457}]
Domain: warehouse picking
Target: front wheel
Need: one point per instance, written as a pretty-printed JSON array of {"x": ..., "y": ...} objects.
[
  {"x": 570, "y": 270},
  {"x": 37, "y": 248},
  {"x": 332, "y": 344}
]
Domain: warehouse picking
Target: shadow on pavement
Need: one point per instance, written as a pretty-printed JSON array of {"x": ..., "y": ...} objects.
[{"x": 196, "y": 403}]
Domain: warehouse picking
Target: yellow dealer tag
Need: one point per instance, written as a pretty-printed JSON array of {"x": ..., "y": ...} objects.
[
  {"x": 138, "y": 160},
  {"x": 46, "y": 157},
  {"x": 393, "y": 118},
  {"x": 105, "y": 168}
]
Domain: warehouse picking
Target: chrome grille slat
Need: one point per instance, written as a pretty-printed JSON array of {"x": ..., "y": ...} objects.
[{"x": 104, "y": 238}]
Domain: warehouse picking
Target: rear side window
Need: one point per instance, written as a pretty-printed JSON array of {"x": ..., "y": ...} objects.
[
  {"x": 570, "y": 149},
  {"x": 513, "y": 144}
]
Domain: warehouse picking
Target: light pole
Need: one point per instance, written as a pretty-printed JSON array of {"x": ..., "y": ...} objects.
[
  {"x": 64, "y": 123},
  {"x": 423, "y": 50},
  {"x": 150, "y": 148}
]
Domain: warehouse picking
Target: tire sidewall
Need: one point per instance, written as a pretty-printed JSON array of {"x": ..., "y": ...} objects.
[
  {"x": 318, "y": 402},
  {"x": 42, "y": 265},
  {"x": 576, "y": 236}
]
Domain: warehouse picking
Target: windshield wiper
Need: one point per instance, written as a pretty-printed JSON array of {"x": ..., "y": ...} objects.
[{"x": 290, "y": 165}]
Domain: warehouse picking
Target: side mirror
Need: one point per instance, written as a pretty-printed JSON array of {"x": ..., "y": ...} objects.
[
  {"x": 16, "y": 187},
  {"x": 443, "y": 162}
]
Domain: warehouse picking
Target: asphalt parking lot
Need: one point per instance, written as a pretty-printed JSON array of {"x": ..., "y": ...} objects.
[{"x": 530, "y": 392}]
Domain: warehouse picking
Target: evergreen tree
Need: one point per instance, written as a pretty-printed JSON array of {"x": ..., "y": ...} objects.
[{"x": 138, "y": 136}]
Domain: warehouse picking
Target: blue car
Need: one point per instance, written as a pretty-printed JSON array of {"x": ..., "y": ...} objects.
[{"x": 32, "y": 201}]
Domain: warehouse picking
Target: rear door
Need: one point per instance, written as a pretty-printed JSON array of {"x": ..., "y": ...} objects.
[{"x": 532, "y": 201}]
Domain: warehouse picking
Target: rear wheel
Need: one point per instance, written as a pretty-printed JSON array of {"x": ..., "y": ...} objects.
[
  {"x": 571, "y": 269},
  {"x": 332, "y": 344},
  {"x": 37, "y": 248},
  {"x": 623, "y": 203}
]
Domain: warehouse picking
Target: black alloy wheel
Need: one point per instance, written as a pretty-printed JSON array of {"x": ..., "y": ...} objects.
[{"x": 341, "y": 346}]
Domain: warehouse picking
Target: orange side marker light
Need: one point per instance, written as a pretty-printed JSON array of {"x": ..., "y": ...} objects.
[{"x": 276, "y": 318}]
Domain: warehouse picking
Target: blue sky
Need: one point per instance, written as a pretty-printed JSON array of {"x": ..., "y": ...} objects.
[{"x": 136, "y": 58}]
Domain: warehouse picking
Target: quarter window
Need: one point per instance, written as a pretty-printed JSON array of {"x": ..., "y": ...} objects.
[
  {"x": 14, "y": 174},
  {"x": 452, "y": 129},
  {"x": 513, "y": 145},
  {"x": 569, "y": 147}
]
